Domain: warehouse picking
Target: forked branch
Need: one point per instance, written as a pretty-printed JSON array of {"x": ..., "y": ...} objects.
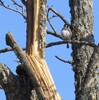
[
  {"x": 50, "y": 22},
  {"x": 58, "y": 14},
  {"x": 16, "y": 3},
  {"x": 13, "y": 9}
]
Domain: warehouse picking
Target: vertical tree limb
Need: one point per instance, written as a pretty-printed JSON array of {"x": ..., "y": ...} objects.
[
  {"x": 36, "y": 43},
  {"x": 82, "y": 23}
]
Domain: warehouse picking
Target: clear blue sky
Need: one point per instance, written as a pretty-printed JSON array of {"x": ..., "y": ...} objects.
[{"x": 62, "y": 73}]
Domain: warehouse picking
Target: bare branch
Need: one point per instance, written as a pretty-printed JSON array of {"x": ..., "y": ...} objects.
[
  {"x": 54, "y": 34},
  {"x": 50, "y": 22},
  {"x": 8, "y": 49},
  {"x": 21, "y": 6},
  {"x": 62, "y": 18},
  {"x": 70, "y": 41},
  {"x": 65, "y": 61},
  {"x": 54, "y": 43},
  {"x": 16, "y": 3},
  {"x": 13, "y": 9}
]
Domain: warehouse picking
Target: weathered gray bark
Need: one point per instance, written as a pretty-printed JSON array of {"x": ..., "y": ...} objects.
[
  {"x": 16, "y": 87},
  {"x": 85, "y": 57},
  {"x": 27, "y": 67}
]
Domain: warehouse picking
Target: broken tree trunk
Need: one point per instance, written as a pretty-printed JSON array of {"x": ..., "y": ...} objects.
[
  {"x": 35, "y": 47},
  {"x": 34, "y": 81}
]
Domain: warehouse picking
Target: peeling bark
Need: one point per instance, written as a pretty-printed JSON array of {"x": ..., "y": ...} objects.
[{"x": 82, "y": 28}]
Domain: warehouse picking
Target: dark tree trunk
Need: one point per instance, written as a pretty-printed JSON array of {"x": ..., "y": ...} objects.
[{"x": 84, "y": 67}]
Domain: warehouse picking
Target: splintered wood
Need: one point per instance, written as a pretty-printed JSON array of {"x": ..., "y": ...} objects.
[
  {"x": 43, "y": 76},
  {"x": 37, "y": 70},
  {"x": 35, "y": 48}
]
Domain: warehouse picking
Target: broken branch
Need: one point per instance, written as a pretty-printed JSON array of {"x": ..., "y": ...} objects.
[{"x": 28, "y": 68}]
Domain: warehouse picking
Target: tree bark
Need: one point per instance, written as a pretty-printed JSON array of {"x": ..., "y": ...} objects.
[
  {"x": 35, "y": 48},
  {"x": 16, "y": 87},
  {"x": 85, "y": 62},
  {"x": 34, "y": 79},
  {"x": 27, "y": 67}
]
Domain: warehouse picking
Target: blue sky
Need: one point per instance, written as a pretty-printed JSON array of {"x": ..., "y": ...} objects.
[{"x": 62, "y": 73}]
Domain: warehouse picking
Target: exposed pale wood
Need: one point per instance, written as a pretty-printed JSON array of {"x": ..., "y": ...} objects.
[
  {"x": 28, "y": 68},
  {"x": 32, "y": 26},
  {"x": 36, "y": 31},
  {"x": 43, "y": 76}
]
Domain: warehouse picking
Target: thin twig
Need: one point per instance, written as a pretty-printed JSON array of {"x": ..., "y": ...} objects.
[
  {"x": 65, "y": 61},
  {"x": 8, "y": 49},
  {"x": 54, "y": 34},
  {"x": 50, "y": 22},
  {"x": 53, "y": 16},
  {"x": 62, "y": 18},
  {"x": 10, "y": 8},
  {"x": 70, "y": 41},
  {"x": 16, "y": 3}
]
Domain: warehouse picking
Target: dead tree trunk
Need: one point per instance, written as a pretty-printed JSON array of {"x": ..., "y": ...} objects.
[
  {"x": 36, "y": 43},
  {"x": 34, "y": 81},
  {"x": 85, "y": 57}
]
